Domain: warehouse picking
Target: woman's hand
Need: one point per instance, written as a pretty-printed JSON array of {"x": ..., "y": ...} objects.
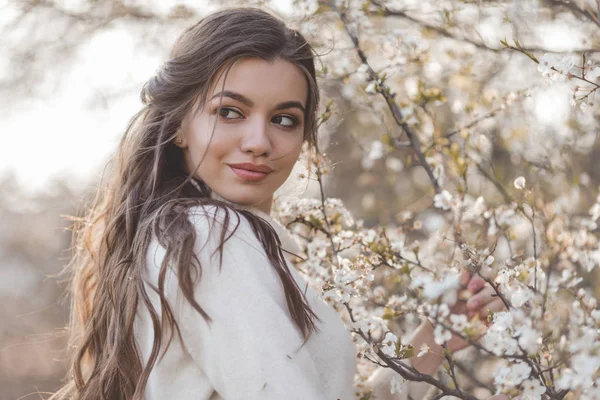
[{"x": 478, "y": 298}]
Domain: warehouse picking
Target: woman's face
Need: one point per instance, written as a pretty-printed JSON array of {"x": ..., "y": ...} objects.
[{"x": 258, "y": 134}]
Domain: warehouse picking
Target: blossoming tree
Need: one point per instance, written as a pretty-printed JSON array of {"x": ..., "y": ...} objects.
[
  {"x": 538, "y": 253},
  {"x": 469, "y": 132}
]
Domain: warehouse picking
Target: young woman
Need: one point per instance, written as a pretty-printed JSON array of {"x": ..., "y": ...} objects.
[{"x": 181, "y": 286}]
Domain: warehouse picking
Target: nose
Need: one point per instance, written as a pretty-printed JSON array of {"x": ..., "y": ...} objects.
[{"x": 255, "y": 138}]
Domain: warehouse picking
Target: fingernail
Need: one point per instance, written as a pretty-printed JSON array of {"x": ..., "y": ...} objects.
[{"x": 465, "y": 278}]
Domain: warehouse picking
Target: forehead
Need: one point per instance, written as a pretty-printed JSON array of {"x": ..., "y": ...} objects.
[{"x": 263, "y": 81}]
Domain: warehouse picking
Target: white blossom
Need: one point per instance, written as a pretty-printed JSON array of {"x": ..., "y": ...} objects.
[
  {"x": 593, "y": 74},
  {"x": 595, "y": 211},
  {"x": 369, "y": 323},
  {"x": 389, "y": 344},
  {"x": 396, "y": 385},
  {"x": 545, "y": 65},
  {"x": 376, "y": 151},
  {"x": 475, "y": 209},
  {"x": 363, "y": 68},
  {"x": 592, "y": 393},
  {"x": 433, "y": 290},
  {"x": 499, "y": 342},
  {"x": 437, "y": 311},
  {"x": 345, "y": 279},
  {"x": 394, "y": 164},
  {"x": 519, "y": 372},
  {"x": 424, "y": 349},
  {"x": 568, "y": 380},
  {"x": 441, "y": 334},
  {"x": 529, "y": 339},
  {"x": 555, "y": 66},
  {"x": 533, "y": 389},
  {"x": 371, "y": 88},
  {"x": 585, "y": 367},
  {"x": 443, "y": 200},
  {"x": 459, "y": 322},
  {"x": 336, "y": 296},
  {"x": 520, "y": 296},
  {"x": 520, "y": 183},
  {"x": 500, "y": 376}
]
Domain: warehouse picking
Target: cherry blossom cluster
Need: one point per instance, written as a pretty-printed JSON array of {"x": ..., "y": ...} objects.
[
  {"x": 381, "y": 275},
  {"x": 538, "y": 252}
]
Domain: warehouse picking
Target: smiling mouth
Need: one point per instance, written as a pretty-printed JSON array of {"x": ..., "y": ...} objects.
[{"x": 252, "y": 176}]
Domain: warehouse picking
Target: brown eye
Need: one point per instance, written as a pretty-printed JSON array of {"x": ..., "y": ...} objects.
[
  {"x": 293, "y": 122},
  {"x": 224, "y": 111}
]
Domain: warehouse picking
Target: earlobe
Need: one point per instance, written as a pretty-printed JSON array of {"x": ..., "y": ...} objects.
[{"x": 179, "y": 142}]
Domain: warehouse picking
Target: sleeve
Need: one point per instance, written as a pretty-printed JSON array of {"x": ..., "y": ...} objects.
[
  {"x": 380, "y": 383},
  {"x": 252, "y": 348}
]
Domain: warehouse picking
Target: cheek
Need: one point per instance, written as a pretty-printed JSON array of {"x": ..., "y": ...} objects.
[
  {"x": 290, "y": 147},
  {"x": 289, "y": 161},
  {"x": 218, "y": 146}
]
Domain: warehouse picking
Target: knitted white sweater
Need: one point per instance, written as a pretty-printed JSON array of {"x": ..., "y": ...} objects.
[{"x": 252, "y": 349}]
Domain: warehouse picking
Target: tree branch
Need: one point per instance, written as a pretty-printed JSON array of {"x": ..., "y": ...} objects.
[
  {"x": 389, "y": 98},
  {"x": 387, "y": 12},
  {"x": 576, "y": 10}
]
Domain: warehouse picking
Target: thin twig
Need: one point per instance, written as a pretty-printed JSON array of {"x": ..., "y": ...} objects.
[
  {"x": 450, "y": 358},
  {"x": 507, "y": 197},
  {"x": 471, "y": 375},
  {"x": 385, "y": 91},
  {"x": 467, "y": 126},
  {"x": 576, "y": 10},
  {"x": 384, "y": 11},
  {"x": 408, "y": 372}
]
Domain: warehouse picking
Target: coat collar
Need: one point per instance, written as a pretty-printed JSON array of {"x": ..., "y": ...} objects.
[{"x": 288, "y": 243}]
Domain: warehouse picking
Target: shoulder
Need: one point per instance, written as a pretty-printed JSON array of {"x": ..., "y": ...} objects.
[
  {"x": 214, "y": 228},
  {"x": 205, "y": 218},
  {"x": 217, "y": 226},
  {"x": 224, "y": 247},
  {"x": 207, "y": 213}
]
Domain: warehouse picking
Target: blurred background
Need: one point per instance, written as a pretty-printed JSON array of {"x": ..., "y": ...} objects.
[{"x": 71, "y": 72}]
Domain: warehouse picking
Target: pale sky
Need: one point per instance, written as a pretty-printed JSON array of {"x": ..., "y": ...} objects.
[{"x": 60, "y": 132}]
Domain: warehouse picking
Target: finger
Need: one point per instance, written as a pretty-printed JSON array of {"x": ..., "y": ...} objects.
[
  {"x": 501, "y": 396},
  {"x": 495, "y": 306},
  {"x": 479, "y": 300},
  {"x": 464, "y": 277},
  {"x": 476, "y": 284}
]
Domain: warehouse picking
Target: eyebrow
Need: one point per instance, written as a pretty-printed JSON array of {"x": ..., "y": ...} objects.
[{"x": 243, "y": 99}]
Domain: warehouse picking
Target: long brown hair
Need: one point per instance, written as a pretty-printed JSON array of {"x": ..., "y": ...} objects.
[{"x": 146, "y": 193}]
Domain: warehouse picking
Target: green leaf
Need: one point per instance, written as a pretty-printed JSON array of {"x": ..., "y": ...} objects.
[
  {"x": 407, "y": 351},
  {"x": 315, "y": 222},
  {"x": 398, "y": 348},
  {"x": 517, "y": 44},
  {"x": 405, "y": 270}
]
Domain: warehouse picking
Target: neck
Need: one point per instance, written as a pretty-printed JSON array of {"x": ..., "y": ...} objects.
[{"x": 264, "y": 207}]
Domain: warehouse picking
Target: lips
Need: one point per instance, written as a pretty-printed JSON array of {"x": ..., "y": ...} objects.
[
  {"x": 251, "y": 172},
  {"x": 253, "y": 167}
]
